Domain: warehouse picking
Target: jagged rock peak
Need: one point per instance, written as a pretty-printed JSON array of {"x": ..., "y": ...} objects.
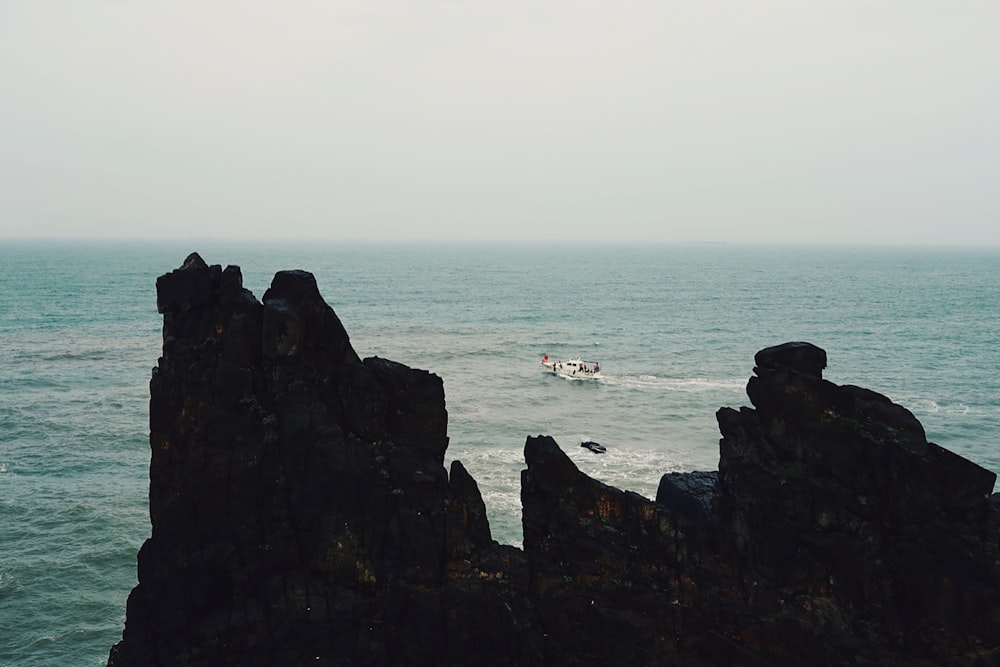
[
  {"x": 194, "y": 261},
  {"x": 292, "y": 486}
]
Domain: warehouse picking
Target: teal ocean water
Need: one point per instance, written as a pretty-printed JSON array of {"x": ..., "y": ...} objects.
[{"x": 675, "y": 329}]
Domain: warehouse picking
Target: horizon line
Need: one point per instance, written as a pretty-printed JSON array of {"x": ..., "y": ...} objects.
[{"x": 451, "y": 242}]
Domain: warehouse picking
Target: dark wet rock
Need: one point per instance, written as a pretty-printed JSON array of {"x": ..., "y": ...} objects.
[
  {"x": 299, "y": 504},
  {"x": 595, "y": 447},
  {"x": 301, "y": 514},
  {"x": 834, "y": 494},
  {"x": 690, "y": 494},
  {"x": 799, "y": 357}
]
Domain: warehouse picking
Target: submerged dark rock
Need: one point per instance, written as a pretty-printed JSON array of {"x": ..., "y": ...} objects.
[{"x": 301, "y": 513}]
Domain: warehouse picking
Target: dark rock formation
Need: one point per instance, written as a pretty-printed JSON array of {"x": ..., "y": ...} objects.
[
  {"x": 834, "y": 494},
  {"x": 302, "y": 514}
]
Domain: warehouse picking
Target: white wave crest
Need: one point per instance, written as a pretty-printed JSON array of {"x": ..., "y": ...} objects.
[
  {"x": 926, "y": 406},
  {"x": 690, "y": 385}
]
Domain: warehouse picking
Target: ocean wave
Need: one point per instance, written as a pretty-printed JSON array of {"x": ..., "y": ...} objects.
[
  {"x": 74, "y": 355},
  {"x": 926, "y": 406},
  {"x": 692, "y": 385}
]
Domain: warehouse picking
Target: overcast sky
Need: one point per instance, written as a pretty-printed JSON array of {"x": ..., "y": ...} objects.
[{"x": 585, "y": 120}]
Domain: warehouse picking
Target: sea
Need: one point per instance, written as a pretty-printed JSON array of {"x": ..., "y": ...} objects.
[{"x": 674, "y": 327}]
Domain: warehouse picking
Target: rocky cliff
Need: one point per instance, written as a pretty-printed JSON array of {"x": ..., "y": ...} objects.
[{"x": 301, "y": 514}]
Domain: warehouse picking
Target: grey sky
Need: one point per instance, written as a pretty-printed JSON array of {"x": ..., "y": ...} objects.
[{"x": 590, "y": 120}]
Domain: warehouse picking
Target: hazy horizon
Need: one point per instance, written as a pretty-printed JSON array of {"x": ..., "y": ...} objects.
[{"x": 840, "y": 123}]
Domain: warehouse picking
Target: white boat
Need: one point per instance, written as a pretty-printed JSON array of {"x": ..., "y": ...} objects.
[{"x": 573, "y": 368}]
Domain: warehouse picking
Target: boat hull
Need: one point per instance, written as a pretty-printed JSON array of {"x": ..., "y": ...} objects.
[{"x": 574, "y": 369}]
